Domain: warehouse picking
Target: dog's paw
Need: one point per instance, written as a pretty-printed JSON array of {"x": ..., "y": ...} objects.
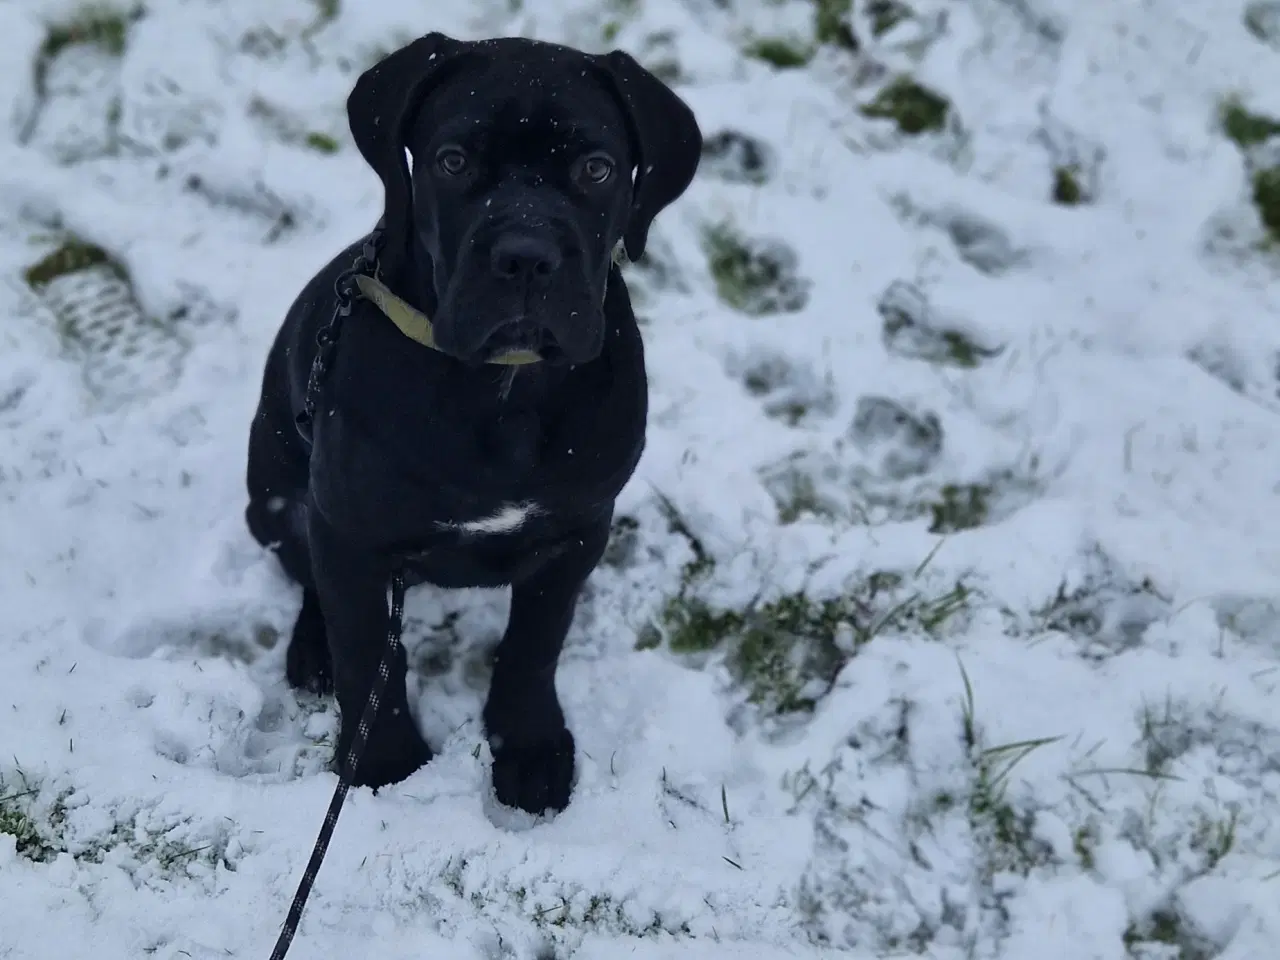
[
  {"x": 382, "y": 765},
  {"x": 535, "y": 776},
  {"x": 307, "y": 664}
]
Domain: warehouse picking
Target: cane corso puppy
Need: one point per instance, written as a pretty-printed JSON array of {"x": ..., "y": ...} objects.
[{"x": 511, "y": 170}]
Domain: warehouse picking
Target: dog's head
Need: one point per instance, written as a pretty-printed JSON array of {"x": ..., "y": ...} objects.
[{"x": 515, "y": 167}]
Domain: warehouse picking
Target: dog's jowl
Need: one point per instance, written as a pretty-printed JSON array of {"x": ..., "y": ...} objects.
[{"x": 484, "y": 406}]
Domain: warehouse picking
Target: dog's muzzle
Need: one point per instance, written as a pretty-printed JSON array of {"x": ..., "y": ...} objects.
[
  {"x": 525, "y": 269},
  {"x": 519, "y": 337}
]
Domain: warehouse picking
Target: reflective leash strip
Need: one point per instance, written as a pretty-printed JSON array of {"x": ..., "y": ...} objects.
[{"x": 345, "y": 778}]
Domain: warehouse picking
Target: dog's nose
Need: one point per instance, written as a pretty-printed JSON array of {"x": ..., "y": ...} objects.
[{"x": 517, "y": 256}]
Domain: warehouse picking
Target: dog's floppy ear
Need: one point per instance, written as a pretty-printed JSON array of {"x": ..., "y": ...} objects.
[
  {"x": 666, "y": 136},
  {"x": 378, "y": 110}
]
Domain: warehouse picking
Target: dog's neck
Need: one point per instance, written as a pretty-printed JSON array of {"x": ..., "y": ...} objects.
[
  {"x": 499, "y": 392},
  {"x": 412, "y": 280},
  {"x": 503, "y": 427}
]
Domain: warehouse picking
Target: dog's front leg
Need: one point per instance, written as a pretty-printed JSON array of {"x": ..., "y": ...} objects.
[
  {"x": 351, "y": 583},
  {"x": 531, "y": 745}
]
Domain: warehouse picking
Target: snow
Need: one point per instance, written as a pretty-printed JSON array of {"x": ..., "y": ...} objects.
[{"x": 1121, "y": 616}]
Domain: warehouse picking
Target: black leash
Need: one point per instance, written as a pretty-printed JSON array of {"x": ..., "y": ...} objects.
[
  {"x": 348, "y": 771},
  {"x": 346, "y": 292}
]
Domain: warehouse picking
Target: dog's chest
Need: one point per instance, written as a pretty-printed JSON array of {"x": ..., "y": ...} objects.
[
  {"x": 509, "y": 518},
  {"x": 489, "y": 550}
]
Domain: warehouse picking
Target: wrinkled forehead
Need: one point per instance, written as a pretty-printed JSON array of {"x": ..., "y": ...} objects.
[{"x": 527, "y": 108}]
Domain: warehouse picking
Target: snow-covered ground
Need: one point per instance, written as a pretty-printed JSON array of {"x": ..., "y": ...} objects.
[{"x": 943, "y": 616}]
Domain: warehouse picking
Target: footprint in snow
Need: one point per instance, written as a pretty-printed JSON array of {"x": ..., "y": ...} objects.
[
  {"x": 915, "y": 329},
  {"x": 278, "y": 738},
  {"x": 125, "y": 354},
  {"x": 737, "y": 157},
  {"x": 896, "y": 441}
]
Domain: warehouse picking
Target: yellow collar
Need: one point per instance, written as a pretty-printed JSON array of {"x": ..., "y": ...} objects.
[{"x": 417, "y": 327}]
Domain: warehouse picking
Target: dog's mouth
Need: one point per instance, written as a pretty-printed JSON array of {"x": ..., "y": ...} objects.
[{"x": 522, "y": 336}]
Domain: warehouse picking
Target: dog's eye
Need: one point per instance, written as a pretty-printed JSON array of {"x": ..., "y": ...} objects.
[
  {"x": 451, "y": 160},
  {"x": 597, "y": 168}
]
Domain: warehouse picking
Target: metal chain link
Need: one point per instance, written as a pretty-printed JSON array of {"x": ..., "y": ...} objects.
[{"x": 345, "y": 294}]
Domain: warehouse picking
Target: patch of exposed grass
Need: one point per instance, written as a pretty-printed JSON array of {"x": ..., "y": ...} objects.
[
  {"x": 1067, "y": 190},
  {"x": 789, "y": 651},
  {"x": 960, "y": 507},
  {"x": 913, "y": 107},
  {"x": 680, "y": 607},
  {"x": 39, "y": 832},
  {"x": 327, "y": 10},
  {"x": 321, "y": 142},
  {"x": 1244, "y": 127},
  {"x": 1215, "y": 839},
  {"x": 1007, "y": 832},
  {"x": 1010, "y": 841},
  {"x": 691, "y": 626},
  {"x": 35, "y": 841},
  {"x": 962, "y": 351},
  {"x": 781, "y": 52},
  {"x": 1166, "y": 935},
  {"x": 1266, "y": 197},
  {"x": 100, "y": 26},
  {"x": 561, "y": 907},
  {"x": 757, "y": 277},
  {"x": 95, "y": 25},
  {"x": 72, "y": 256},
  {"x": 1248, "y": 130},
  {"x": 620, "y": 12},
  {"x": 831, "y": 24},
  {"x": 887, "y": 14},
  {"x": 1084, "y": 842},
  {"x": 785, "y": 653},
  {"x": 792, "y": 648},
  {"x": 1165, "y": 734},
  {"x": 170, "y": 855}
]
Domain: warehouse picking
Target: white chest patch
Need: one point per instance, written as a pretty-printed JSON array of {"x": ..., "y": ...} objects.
[{"x": 508, "y": 519}]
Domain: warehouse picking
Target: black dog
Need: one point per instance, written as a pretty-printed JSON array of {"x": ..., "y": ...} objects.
[{"x": 511, "y": 171}]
